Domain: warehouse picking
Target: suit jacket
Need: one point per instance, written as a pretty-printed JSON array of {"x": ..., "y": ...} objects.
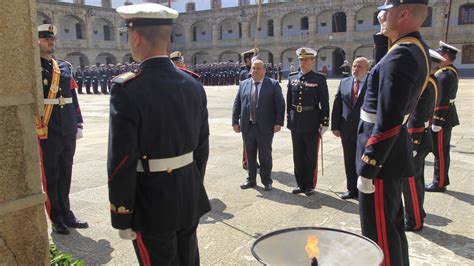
[
  {"x": 270, "y": 106},
  {"x": 345, "y": 115},
  {"x": 159, "y": 112}
]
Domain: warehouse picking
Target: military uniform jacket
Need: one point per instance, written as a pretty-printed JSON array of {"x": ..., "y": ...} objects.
[
  {"x": 244, "y": 73},
  {"x": 63, "y": 119},
  {"x": 159, "y": 112},
  {"x": 308, "y": 90},
  {"x": 445, "y": 112},
  {"x": 87, "y": 76},
  {"x": 384, "y": 148},
  {"x": 78, "y": 76},
  {"x": 420, "y": 119}
]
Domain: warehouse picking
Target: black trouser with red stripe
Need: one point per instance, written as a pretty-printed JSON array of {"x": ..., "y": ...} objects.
[
  {"x": 305, "y": 158},
  {"x": 381, "y": 217},
  {"x": 168, "y": 248},
  {"x": 414, "y": 186},
  {"x": 441, "y": 150},
  {"x": 57, "y": 154}
]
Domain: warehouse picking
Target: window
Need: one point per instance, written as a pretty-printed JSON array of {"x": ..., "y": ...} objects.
[
  {"x": 468, "y": 54},
  {"x": 106, "y": 33},
  {"x": 429, "y": 18},
  {"x": 194, "y": 33},
  {"x": 339, "y": 22},
  {"x": 304, "y": 23},
  {"x": 270, "y": 27},
  {"x": 466, "y": 14},
  {"x": 78, "y": 31}
]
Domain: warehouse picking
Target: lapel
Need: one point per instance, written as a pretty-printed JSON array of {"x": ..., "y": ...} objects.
[
  {"x": 347, "y": 90},
  {"x": 362, "y": 89},
  {"x": 262, "y": 90}
]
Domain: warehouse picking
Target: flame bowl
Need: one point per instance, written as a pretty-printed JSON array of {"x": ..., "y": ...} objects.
[{"x": 336, "y": 247}]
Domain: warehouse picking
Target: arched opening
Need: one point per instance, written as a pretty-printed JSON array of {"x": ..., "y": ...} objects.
[
  {"x": 43, "y": 18},
  {"x": 366, "y": 19},
  {"x": 71, "y": 28},
  {"x": 77, "y": 59},
  {"x": 295, "y": 24},
  {"x": 289, "y": 61},
  {"x": 229, "y": 29},
  {"x": 177, "y": 36},
  {"x": 338, "y": 57},
  {"x": 339, "y": 22},
  {"x": 201, "y": 32},
  {"x": 270, "y": 28},
  {"x": 366, "y": 51},
  {"x": 329, "y": 61},
  {"x": 127, "y": 58},
  {"x": 304, "y": 23},
  {"x": 102, "y": 30},
  {"x": 201, "y": 58},
  {"x": 105, "y": 58},
  {"x": 229, "y": 56}
]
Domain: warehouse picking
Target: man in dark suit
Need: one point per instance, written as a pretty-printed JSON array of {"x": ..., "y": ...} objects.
[
  {"x": 258, "y": 112},
  {"x": 346, "y": 116},
  {"x": 384, "y": 147},
  {"x": 308, "y": 118},
  {"x": 158, "y": 145},
  {"x": 445, "y": 117}
]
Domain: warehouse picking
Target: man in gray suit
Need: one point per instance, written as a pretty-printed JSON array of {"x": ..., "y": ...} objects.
[{"x": 258, "y": 112}]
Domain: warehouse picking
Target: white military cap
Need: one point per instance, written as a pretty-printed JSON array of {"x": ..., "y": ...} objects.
[
  {"x": 305, "y": 52},
  {"x": 47, "y": 31},
  {"x": 147, "y": 14},
  {"x": 435, "y": 56},
  {"x": 176, "y": 55},
  {"x": 444, "y": 47}
]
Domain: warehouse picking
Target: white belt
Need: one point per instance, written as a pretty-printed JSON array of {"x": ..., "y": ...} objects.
[
  {"x": 452, "y": 100},
  {"x": 372, "y": 118},
  {"x": 58, "y": 101},
  {"x": 167, "y": 164}
]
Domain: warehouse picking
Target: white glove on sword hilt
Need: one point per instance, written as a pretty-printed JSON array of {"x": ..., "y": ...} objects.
[
  {"x": 365, "y": 185},
  {"x": 127, "y": 234},
  {"x": 435, "y": 128},
  {"x": 322, "y": 130}
]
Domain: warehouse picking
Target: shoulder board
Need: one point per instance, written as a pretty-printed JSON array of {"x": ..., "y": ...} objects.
[
  {"x": 293, "y": 73},
  {"x": 123, "y": 78},
  {"x": 193, "y": 74},
  {"x": 320, "y": 73}
]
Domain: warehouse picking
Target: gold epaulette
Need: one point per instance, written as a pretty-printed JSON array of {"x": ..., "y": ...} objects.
[{"x": 121, "y": 79}]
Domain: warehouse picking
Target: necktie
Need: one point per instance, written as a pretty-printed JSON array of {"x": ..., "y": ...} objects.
[
  {"x": 253, "y": 102},
  {"x": 355, "y": 91}
]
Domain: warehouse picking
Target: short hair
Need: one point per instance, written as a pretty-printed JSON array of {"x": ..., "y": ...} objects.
[
  {"x": 419, "y": 12},
  {"x": 258, "y": 61},
  {"x": 155, "y": 34},
  {"x": 365, "y": 60}
]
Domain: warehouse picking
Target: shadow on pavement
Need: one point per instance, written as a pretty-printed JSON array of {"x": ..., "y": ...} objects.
[
  {"x": 217, "y": 213},
  {"x": 84, "y": 248},
  {"x": 315, "y": 201},
  {"x": 458, "y": 244},
  {"x": 433, "y": 219},
  {"x": 468, "y": 198}
]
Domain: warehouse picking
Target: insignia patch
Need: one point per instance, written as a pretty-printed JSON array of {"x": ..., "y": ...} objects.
[
  {"x": 311, "y": 85},
  {"x": 119, "y": 210}
]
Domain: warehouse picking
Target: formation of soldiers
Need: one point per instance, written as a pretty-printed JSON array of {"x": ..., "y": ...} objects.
[
  {"x": 100, "y": 75},
  {"x": 227, "y": 73}
]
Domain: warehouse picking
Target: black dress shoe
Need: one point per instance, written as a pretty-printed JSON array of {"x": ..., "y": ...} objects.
[
  {"x": 248, "y": 184},
  {"x": 434, "y": 187},
  {"x": 348, "y": 195},
  {"x": 60, "y": 228},
  {"x": 77, "y": 223},
  {"x": 297, "y": 190},
  {"x": 268, "y": 187},
  {"x": 309, "y": 191}
]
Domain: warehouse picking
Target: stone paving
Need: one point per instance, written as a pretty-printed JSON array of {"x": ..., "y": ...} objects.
[{"x": 227, "y": 233}]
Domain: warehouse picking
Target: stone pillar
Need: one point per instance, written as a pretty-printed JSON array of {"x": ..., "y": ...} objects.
[
  {"x": 350, "y": 25},
  {"x": 188, "y": 35},
  {"x": 79, "y": 2},
  {"x": 439, "y": 12},
  {"x": 277, "y": 24},
  {"x": 106, "y": 3},
  {"x": 23, "y": 229},
  {"x": 245, "y": 34}
]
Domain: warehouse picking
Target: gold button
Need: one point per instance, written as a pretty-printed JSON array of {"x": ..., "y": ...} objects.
[
  {"x": 301, "y": 92},
  {"x": 169, "y": 170},
  {"x": 144, "y": 157},
  {"x": 299, "y": 98},
  {"x": 59, "y": 89}
]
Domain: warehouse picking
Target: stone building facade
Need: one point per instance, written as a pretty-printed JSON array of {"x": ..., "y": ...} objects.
[{"x": 338, "y": 30}]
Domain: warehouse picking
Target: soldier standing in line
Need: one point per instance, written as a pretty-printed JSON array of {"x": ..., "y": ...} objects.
[
  {"x": 95, "y": 79},
  {"x": 307, "y": 103},
  {"x": 103, "y": 79},
  {"x": 79, "y": 77},
  {"x": 87, "y": 79},
  {"x": 445, "y": 117}
]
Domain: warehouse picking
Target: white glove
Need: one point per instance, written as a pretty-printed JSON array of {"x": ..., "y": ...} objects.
[
  {"x": 365, "y": 185},
  {"x": 435, "y": 128},
  {"x": 414, "y": 154},
  {"x": 127, "y": 234},
  {"x": 322, "y": 130},
  {"x": 79, "y": 134}
]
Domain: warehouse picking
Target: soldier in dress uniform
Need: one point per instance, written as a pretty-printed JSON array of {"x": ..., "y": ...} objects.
[
  {"x": 178, "y": 60},
  {"x": 244, "y": 72},
  {"x": 346, "y": 69},
  {"x": 156, "y": 159},
  {"x": 419, "y": 128},
  {"x": 384, "y": 147},
  {"x": 95, "y": 79},
  {"x": 445, "y": 117},
  {"x": 87, "y": 79},
  {"x": 103, "y": 79},
  {"x": 57, "y": 130},
  {"x": 110, "y": 75},
  {"x": 79, "y": 77},
  {"x": 307, "y": 103}
]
